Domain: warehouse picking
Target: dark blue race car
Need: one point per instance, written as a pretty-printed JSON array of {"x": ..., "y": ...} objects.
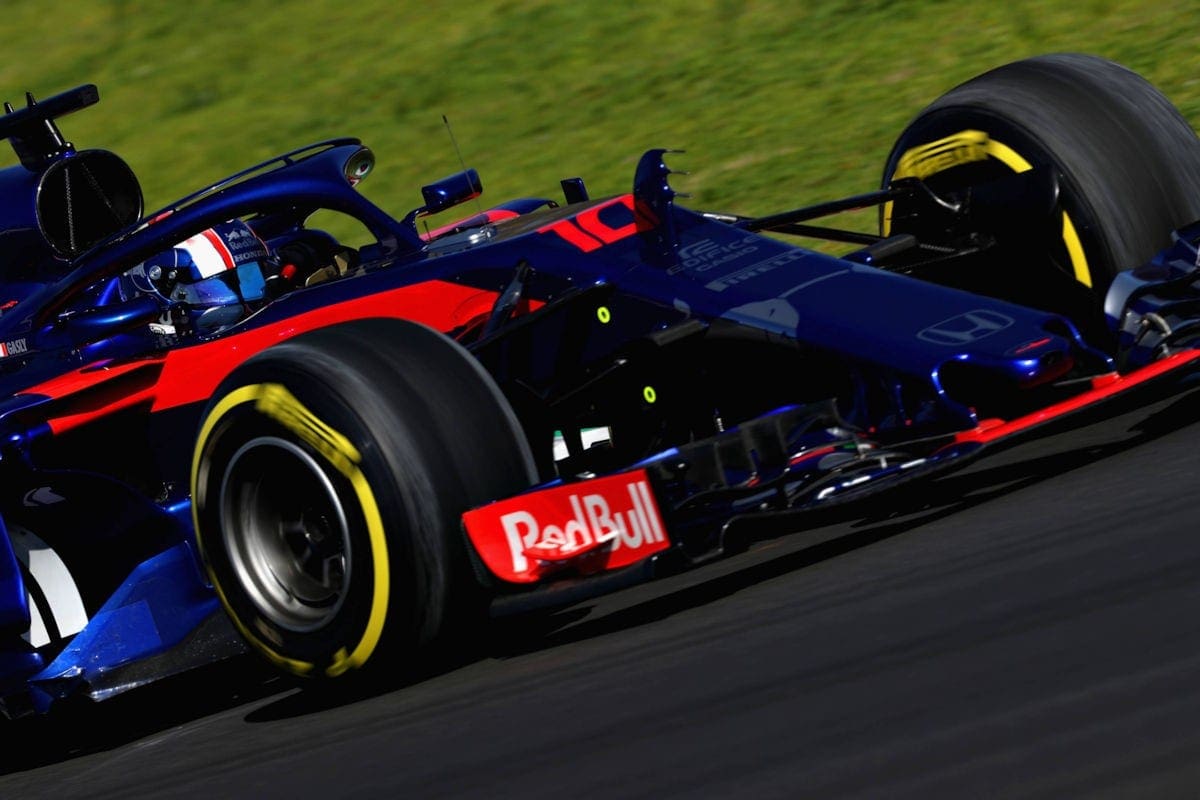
[{"x": 220, "y": 413}]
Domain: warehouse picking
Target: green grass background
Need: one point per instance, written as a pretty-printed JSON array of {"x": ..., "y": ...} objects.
[{"x": 777, "y": 103}]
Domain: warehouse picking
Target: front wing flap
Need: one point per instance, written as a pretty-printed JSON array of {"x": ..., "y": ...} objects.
[{"x": 792, "y": 460}]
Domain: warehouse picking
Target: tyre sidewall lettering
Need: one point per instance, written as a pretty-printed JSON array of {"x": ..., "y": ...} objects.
[{"x": 945, "y": 146}]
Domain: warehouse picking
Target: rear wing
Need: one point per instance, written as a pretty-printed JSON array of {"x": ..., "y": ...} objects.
[
  {"x": 31, "y": 130},
  {"x": 77, "y": 198}
]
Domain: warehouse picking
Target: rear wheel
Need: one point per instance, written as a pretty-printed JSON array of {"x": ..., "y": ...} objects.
[
  {"x": 328, "y": 480},
  {"x": 1128, "y": 165}
]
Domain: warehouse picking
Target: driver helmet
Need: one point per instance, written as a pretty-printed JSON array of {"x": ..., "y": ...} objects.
[{"x": 218, "y": 274}]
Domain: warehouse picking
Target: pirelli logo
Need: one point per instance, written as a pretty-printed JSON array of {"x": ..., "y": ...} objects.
[
  {"x": 929, "y": 159},
  {"x": 964, "y": 147}
]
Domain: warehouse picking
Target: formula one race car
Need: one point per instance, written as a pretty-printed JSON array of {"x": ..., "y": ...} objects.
[{"x": 220, "y": 413}]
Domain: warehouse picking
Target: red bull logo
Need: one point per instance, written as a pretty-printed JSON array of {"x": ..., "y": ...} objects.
[{"x": 600, "y": 524}]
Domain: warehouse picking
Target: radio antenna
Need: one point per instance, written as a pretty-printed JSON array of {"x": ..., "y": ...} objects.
[{"x": 461, "y": 161}]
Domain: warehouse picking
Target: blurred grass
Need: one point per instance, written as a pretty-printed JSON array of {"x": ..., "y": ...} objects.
[{"x": 778, "y": 103}]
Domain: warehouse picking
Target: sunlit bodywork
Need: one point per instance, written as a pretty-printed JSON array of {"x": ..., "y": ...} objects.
[{"x": 692, "y": 370}]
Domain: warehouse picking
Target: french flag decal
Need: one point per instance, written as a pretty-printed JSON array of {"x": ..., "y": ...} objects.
[{"x": 210, "y": 255}]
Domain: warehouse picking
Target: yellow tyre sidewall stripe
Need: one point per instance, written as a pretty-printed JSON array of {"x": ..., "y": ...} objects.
[
  {"x": 970, "y": 146},
  {"x": 275, "y": 401}
]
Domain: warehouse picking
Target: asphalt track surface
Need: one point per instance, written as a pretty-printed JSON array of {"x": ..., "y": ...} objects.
[{"x": 1027, "y": 628}]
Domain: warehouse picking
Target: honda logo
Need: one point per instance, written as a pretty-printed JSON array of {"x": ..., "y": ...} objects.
[{"x": 965, "y": 328}]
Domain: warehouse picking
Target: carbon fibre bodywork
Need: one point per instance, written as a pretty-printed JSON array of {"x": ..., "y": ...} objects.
[{"x": 730, "y": 372}]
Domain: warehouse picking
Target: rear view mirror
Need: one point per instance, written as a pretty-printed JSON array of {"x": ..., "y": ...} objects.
[
  {"x": 447, "y": 193},
  {"x": 85, "y": 198}
]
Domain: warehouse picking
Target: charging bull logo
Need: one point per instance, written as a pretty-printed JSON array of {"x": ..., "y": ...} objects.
[{"x": 604, "y": 523}]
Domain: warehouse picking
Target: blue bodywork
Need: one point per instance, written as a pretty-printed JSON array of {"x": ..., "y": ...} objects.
[{"x": 85, "y": 366}]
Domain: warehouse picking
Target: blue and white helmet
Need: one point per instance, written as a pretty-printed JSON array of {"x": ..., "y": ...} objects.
[{"x": 218, "y": 273}]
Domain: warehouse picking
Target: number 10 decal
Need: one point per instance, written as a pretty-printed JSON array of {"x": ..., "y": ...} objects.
[{"x": 587, "y": 232}]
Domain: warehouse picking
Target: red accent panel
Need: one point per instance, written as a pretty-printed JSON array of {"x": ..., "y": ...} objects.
[
  {"x": 1025, "y": 348},
  {"x": 588, "y": 232},
  {"x": 809, "y": 455},
  {"x": 94, "y": 392},
  {"x": 191, "y": 374},
  {"x": 587, "y": 527},
  {"x": 492, "y": 215},
  {"x": 91, "y": 375},
  {"x": 590, "y": 221},
  {"x": 1103, "y": 387},
  {"x": 571, "y": 233},
  {"x": 116, "y": 401}
]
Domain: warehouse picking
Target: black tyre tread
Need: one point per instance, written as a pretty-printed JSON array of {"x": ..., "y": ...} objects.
[
  {"x": 420, "y": 404},
  {"x": 1127, "y": 155},
  {"x": 452, "y": 410}
]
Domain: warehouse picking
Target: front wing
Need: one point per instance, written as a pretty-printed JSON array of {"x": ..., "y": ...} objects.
[{"x": 792, "y": 460}]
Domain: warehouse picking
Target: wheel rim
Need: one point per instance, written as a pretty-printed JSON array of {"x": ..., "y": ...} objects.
[{"x": 284, "y": 528}]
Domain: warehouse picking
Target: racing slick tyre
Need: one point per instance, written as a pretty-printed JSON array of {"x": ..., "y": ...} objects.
[
  {"x": 327, "y": 482},
  {"x": 1128, "y": 167}
]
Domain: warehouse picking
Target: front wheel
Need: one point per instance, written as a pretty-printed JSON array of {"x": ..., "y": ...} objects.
[
  {"x": 1127, "y": 163},
  {"x": 328, "y": 479}
]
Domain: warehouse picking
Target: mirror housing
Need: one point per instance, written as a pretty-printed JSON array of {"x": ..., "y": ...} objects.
[
  {"x": 85, "y": 198},
  {"x": 447, "y": 193}
]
